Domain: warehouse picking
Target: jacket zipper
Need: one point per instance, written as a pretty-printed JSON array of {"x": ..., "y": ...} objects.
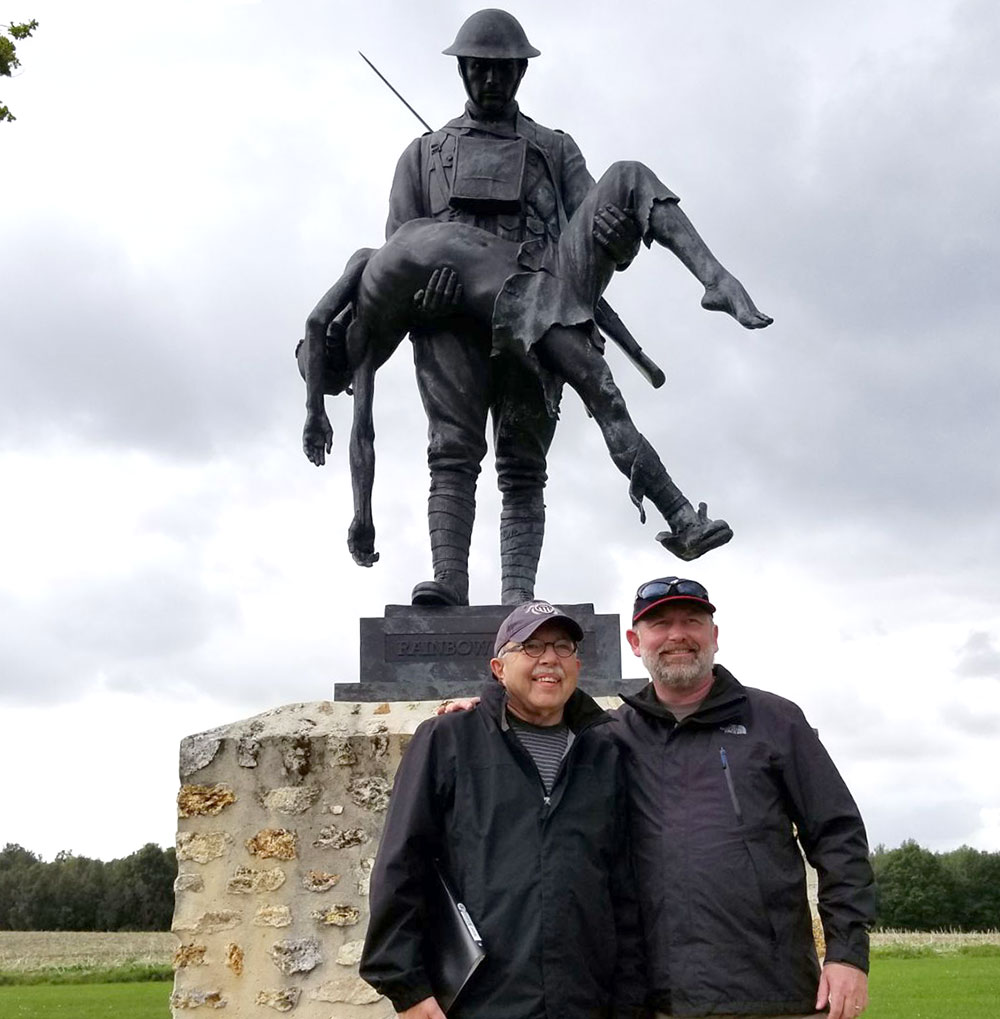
[
  {"x": 729, "y": 784},
  {"x": 547, "y": 797}
]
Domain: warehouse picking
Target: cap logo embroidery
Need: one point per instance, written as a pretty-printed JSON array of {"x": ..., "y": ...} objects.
[
  {"x": 734, "y": 730},
  {"x": 540, "y": 609}
]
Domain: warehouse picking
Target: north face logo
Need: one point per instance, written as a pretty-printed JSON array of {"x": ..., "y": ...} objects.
[{"x": 734, "y": 730}]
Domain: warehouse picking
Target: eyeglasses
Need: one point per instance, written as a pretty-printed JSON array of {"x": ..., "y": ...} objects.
[
  {"x": 564, "y": 647},
  {"x": 664, "y": 587}
]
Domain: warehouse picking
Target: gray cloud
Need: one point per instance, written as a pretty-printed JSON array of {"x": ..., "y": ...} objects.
[
  {"x": 972, "y": 721},
  {"x": 119, "y": 631},
  {"x": 937, "y": 821},
  {"x": 979, "y": 656}
]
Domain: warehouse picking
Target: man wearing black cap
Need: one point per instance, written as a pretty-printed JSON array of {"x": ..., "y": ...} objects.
[
  {"x": 726, "y": 783},
  {"x": 523, "y": 803}
]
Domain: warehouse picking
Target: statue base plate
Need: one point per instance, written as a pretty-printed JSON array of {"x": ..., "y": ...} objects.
[{"x": 417, "y": 653}]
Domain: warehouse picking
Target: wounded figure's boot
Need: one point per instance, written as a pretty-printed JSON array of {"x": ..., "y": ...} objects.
[
  {"x": 691, "y": 534},
  {"x": 695, "y": 535}
]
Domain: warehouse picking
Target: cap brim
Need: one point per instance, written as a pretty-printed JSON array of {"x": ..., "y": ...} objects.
[
  {"x": 673, "y": 597},
  {"x": 531, "y": 625}
]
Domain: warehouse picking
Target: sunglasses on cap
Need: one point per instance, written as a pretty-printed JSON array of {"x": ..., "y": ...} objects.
[{"x": 665, "y": 589}]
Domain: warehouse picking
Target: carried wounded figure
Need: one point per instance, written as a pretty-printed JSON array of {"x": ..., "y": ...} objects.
[{"x": 540, "y": 304}]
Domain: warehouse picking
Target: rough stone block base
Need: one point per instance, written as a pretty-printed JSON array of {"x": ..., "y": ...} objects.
[{"x": 279, "y": 819}]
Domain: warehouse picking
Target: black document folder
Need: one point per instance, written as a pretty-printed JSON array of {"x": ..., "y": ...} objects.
[{"x": 452, "y": 946}]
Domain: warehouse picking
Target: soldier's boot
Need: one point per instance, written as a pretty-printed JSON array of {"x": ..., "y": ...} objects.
[
  {"x": 691, "y": 533},
  {"x": 451, "y": 511},
  {"x": 522, "y": 528}
]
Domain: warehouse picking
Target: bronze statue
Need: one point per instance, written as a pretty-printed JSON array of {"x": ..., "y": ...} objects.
[{"x": 499, "y": 247}]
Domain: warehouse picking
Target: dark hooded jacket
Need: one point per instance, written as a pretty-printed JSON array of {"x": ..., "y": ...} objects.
[
  {"x": 716, "y": 802},
  {"x": 546, "y": 879}
]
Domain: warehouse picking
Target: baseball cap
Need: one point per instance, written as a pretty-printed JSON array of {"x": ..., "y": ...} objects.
[
  {"x": 527, "y": 618},
  {"x": 667, "y": 589}
]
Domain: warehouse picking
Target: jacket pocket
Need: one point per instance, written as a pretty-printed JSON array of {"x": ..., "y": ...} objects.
[
  {"x": 728, "y": 774},
  {"x": 757, "y": 865}
]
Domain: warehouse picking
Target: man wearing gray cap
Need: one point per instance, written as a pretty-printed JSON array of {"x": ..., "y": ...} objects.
[
  {"x": 522, "y": 803},
  {"x": 726, "y": 783}
]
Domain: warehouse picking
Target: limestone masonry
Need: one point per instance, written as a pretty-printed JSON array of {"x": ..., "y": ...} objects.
[{"x": 279, "y": 817}]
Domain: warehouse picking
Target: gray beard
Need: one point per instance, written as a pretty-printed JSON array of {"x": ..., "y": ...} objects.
[{"x": 679, "y": 675}]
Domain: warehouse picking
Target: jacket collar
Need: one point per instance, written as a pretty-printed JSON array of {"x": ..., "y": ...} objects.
[
  {"x": 580, "y": 713},
  {"x": 724, "y": 703},
  {"x": 507, "y": 116},
  {"x": 510, "y": 124}
]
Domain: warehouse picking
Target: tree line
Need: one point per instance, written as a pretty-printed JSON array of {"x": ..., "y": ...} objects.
[
  {"x": 75, "y": 893},
  {"x": 917, "y": 890},
  {"x": 923, "y": 891}
]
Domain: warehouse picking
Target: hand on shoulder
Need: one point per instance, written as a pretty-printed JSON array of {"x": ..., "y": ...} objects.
[{"x": 458, "y": 704}]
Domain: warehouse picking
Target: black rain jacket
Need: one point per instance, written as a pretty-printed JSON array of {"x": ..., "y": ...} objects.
[
  {"x": 716, "y": 801},
  {"x": 547, "y": 880}
]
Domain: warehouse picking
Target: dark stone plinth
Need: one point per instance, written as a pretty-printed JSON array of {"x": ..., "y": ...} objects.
[
  {"x": 429, "y": 653},
  {"x": 429, "y": 690}
]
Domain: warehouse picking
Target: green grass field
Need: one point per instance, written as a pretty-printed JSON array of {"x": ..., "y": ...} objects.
[
  {"x": 953, "y": 986},
  {"x": 923, "y": 987},
  {"x": 913, "y": 976},
  {"x": 86, "y": 1001}
]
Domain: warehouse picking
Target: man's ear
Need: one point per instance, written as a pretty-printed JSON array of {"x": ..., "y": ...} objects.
[
  {"x": 715, "y": 636},
  {"x": 633, "y": 641},
  {"x": 496, "y": 667}
]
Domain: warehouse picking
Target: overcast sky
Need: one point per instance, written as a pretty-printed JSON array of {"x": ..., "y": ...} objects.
[{"x": 184, "y": 180}]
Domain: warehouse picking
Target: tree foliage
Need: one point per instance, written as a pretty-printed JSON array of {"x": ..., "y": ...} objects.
[
  {"x": 921, "y": 890},
  {"x": 75, "y": 893},
  {"x": 10, "y": 36}
]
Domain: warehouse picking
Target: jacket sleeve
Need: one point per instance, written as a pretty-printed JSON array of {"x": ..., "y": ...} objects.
[
  {"x": 392, "y": 958},
  {"x": 630, "y": 978},
  {"x": 833, "y": 838},
  {"x": 406, "y": 199},
  {"x": 576, "y": 178}
]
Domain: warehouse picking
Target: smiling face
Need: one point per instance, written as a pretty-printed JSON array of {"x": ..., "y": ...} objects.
[
  {"x": 491, "y": 84},
  {"x": 677, "y": 642},
  {"x": 538, "y": 688}
]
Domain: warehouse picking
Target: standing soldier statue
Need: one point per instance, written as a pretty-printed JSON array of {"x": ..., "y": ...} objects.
[{"x": 499, "y": 247}]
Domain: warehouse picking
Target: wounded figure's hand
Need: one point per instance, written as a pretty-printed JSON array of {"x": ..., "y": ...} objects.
[
  {"x": 361, "y": 541},
  {"x": 317, "y": 437},
  {"x": 442, "y": 295},
  {"x": 618, "y": 233}
]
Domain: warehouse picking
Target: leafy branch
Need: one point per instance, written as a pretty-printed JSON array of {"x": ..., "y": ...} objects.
[{"x": 10, "y": 35}]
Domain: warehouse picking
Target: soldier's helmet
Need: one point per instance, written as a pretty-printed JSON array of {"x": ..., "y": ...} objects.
[{"x": 492, "y": 35}]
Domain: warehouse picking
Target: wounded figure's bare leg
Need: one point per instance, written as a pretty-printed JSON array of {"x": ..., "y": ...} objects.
[
  {"x": 670, "y": 227},
  {"x": 569, "y": 353},
  {"x": 631, "y": 187}
]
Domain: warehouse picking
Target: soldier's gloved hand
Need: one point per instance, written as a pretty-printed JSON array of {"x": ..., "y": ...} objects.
[
  {"x": 617, "y": 231},
  {"x": 442, "y": 295}
]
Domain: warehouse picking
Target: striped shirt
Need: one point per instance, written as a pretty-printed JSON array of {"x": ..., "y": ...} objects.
[{"x": 546, "y": 744}]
